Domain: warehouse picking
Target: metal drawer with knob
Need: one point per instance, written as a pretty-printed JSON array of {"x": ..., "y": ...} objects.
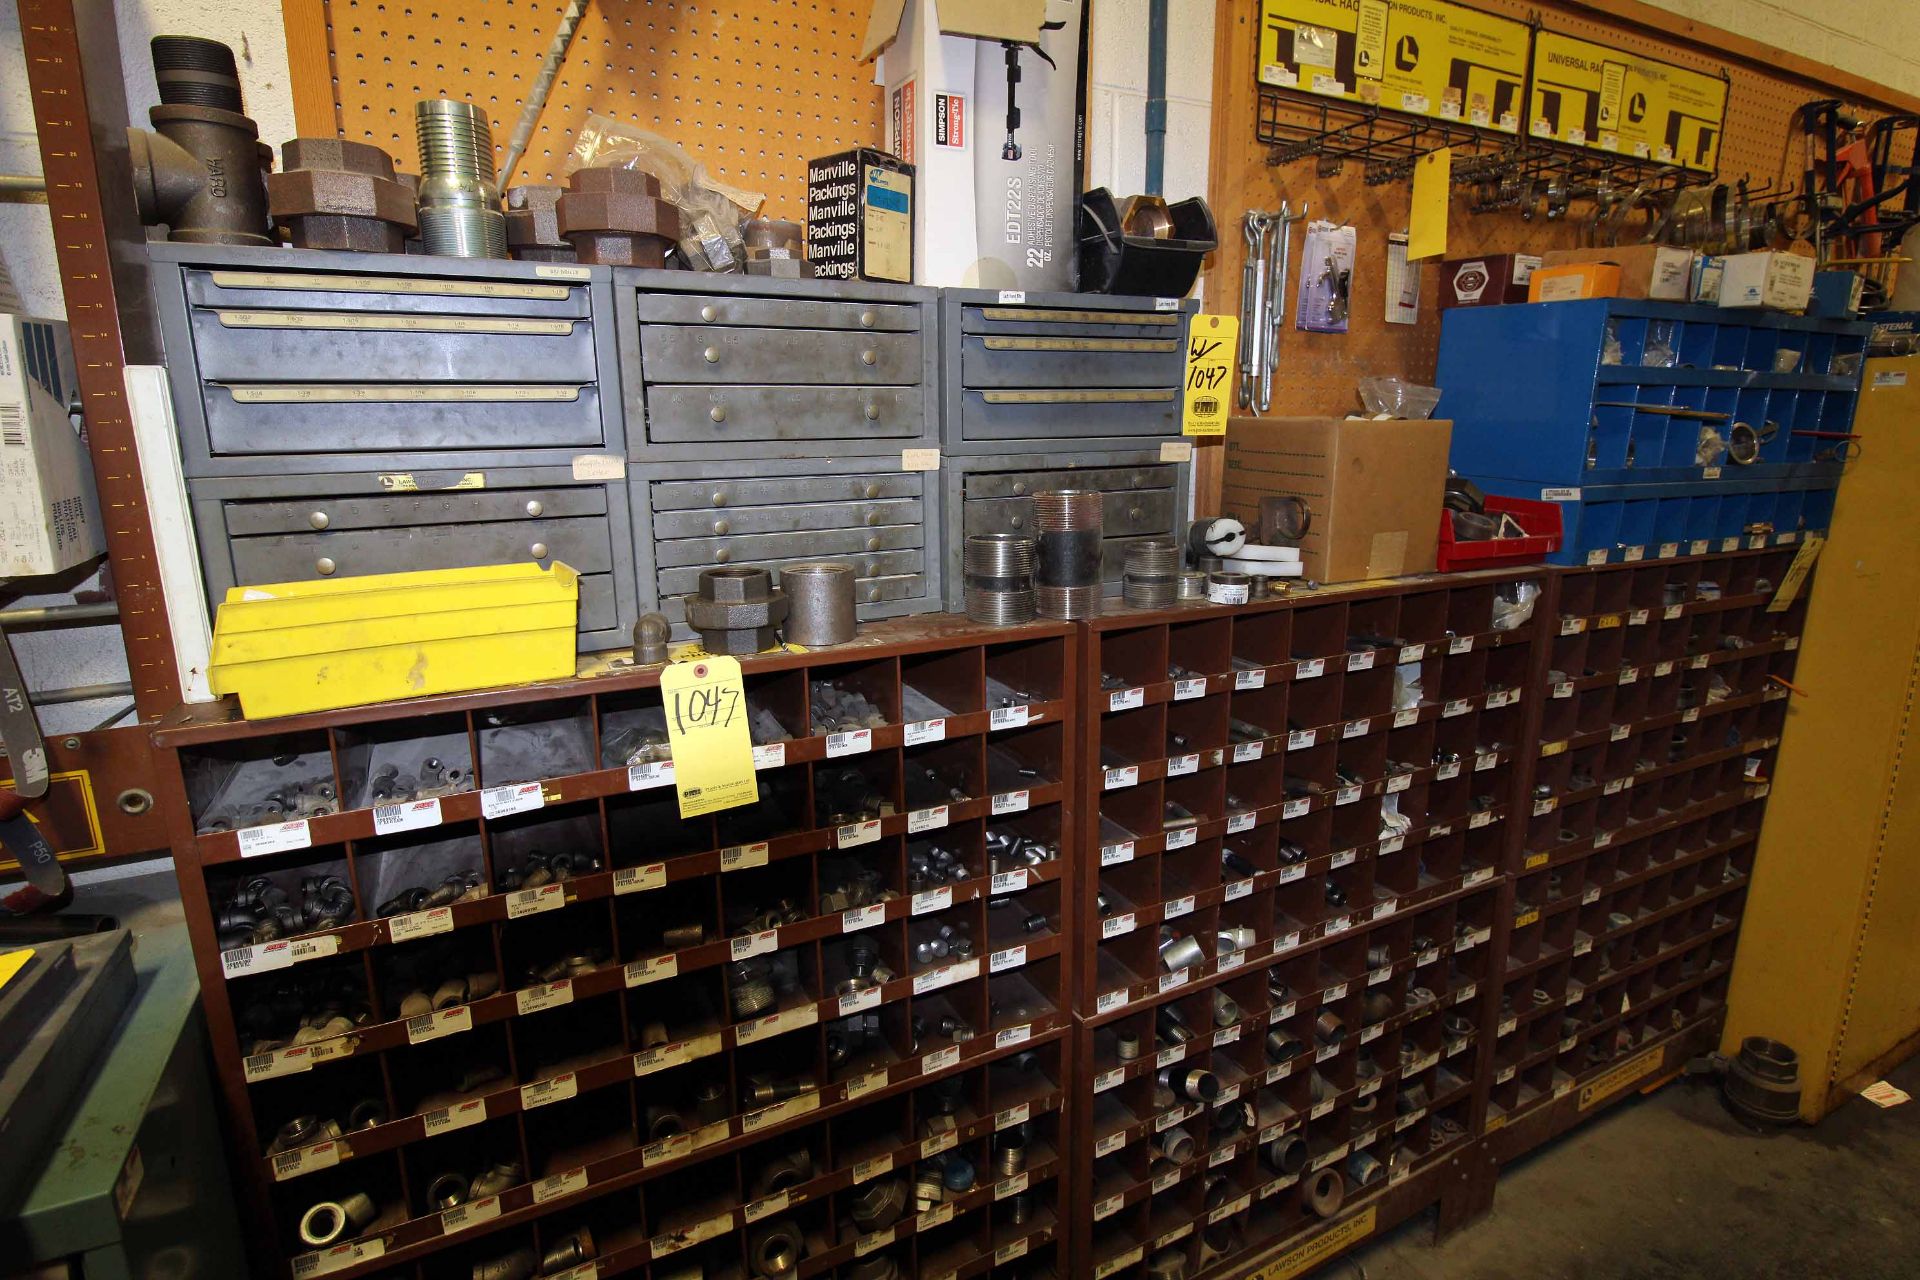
[
  {"x": 739, "y": 366},
  {"x": 317, "y": 361},
  {"x": 772, "y": 513},
  {"x": 1142, "y": 496},
  {"x": 262, "y": 529},
  {"x": 1100, "y": 371}
]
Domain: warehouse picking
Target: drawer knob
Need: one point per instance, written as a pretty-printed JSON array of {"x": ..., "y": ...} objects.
[
  {"x": 872, "y": 491},
  {"x": 718, "y": 413},
  {"x": 873, "y": 594},
  {"x": 538, "y": 550},
  {"x": 325, "y": 566},
  {"x": 711, "y": 355},
  {"x": 869, "y": 568},
  {"x": 709, "y": 313},
  {"x": 319, "y": 520},
  {"x": 872, "y": 411},
  {"x": 873, "y": 544},
  {"x": 719, "y": 498},
  {"x": 869, "y": 356},
  {"x": 722, "y": 526},
  {"x": 1134, "y": 514},
  {"x": 1019, "y": 488},
  {"x": 1019, "y": 522},
  {"x": 873, "y": 517},
  {"x": 722, "y": 556},
  {"x": 866, "y": 319},
  {"x": 1138, "y": 481},
  {"x": 536, "y": 507}
]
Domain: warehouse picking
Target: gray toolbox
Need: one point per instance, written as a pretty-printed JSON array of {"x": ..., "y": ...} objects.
[
  {"x": 1146, "y": 494},
  {"x": 864, "y": 511},
  {"x": 300, "y": 360},
  {"x": 727, "y": 366},
  {"x": 1087, "y": 370},
  {"x": 280, "y": 528}
]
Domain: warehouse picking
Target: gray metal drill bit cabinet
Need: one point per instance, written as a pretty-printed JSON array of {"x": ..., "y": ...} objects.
[{"x": 727, "y": 366}]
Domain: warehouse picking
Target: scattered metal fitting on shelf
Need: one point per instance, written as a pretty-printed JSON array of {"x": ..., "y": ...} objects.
[
  {"x": 615, "y": 216},
  {"x": 1168, "y": 1264},
  {"x": 1236, "y": 938},
  {"x": 1175, "y": 1144},
  {"x": 1328, "y": 1027},
  {"x": 333, "y": 193},
  {"x": 1457, "y": 1026},
  {"x": 780, "y": 1172},
  {"x": 1126, "y": 1046},
  {"x": 1326, "y": 1192},
  {"x": 1377, "y": 1007},
  {"x": 775, "y": 1247},
  {"x": 1286, "y": 1154},
  {"x": 710, "y": 1102},
  {"x": 1195, "y": 1084},
  {"x": 533, "y": 225},
  {"x": 1364, "y": 1170},
  {"x": 496, "y": 1178},
  {"x": 676, "y": 937},
  {"x": 737, "y": 609},
  {"x": 1180, "y": 951},
  {"x": 1283, "y": 1045},
  {"x": 1010, "y": 1151},
  {"x": 1226, "y": 1010},
  {"x": 330, "y": 1221},
  {"x": 1172, "y": 1025},
  {"x": 302, "y": 1131},
  {"x": 520, "y": 1264},
  {"x": 569, "y": 1250},
  {"x": 820, "y": 603},
  {"x": 765, "y": 1090}
]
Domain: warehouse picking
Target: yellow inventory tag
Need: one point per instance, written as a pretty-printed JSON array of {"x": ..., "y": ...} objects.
[
  {"x": 707, "y": 728},
  {"x": 1210, "y": 354},
  {"x": 1789, "y": 589}
]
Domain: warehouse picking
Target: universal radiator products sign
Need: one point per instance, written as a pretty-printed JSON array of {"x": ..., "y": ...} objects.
[
  {"x": 1608, "y": 100},
  {"x": 1426, "y": 58}
]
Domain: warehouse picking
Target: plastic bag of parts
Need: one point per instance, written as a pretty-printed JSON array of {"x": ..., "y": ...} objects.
[
  {"x": 1513, "y": 605},
  {"x": 710, "y": 210},
  {"x": 1398, "y": 398},
  {"x": 378, "y": 772},
  {"x": 1326, "y": 278},
  {"x": 1407, "y": 689},
  {"x": 230, "y": 794}
]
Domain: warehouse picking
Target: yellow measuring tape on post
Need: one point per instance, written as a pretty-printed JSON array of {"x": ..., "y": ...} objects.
[{"x": 706, "y": 706}]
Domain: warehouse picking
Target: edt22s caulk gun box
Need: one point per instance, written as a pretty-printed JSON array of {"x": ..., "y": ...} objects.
[
  {"x": 985, "y": 98},
  {"x": 49, "y": 514}
]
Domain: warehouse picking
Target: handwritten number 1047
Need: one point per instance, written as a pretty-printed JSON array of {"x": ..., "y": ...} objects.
[
  {"x": 1201, "y": 376},
  {"x": 707, "y": 708}
]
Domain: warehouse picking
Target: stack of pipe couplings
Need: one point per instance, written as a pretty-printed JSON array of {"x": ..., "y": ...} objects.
[
  {"x": 766, "y": 1089},
  {"x": 850, "y": 1037},
  {"x": 1068, "y": 524},
  {"x": 450, "y": 993},
  {"x": 574, "y": 963},
  {"x": 947, "y": 1176},
  {"x": 948, "y": 1026},
  {"x": 775, "y": 1247},
  {"x": 937, "y": 943},
  {"x": 1152, "y": 578},
  {"x": 451, "y": 1189},
  {"x": 851, "y": 886},
  {"x": 389, "y": 785},
  {"x": 999, "y": 579},
  {"x": 523, "y": 1263},
  {"x": 462, "y": 886},
  {"x": 847, "y": 795},
  {"x": 305, "y": 1130},
  {"x": 313, "y": 797},
  {"x": 820, "y": 610},
  {"x": 261, "y": 911},
  {"x": 748, "y": 919},
  {"x": 1011, "y": 850},
  {"x": 317, "y": 1006},
  {"x": 758, "y": 984},
  {"x": 930, "y": 866},
  {"x": 1179, "y": 950},
  {"x": 877, "y": 1205},
  {"x": 331, "y": 1221},
  {"x": 837, "y": 710},
  {"x": 538, "y": 869}
]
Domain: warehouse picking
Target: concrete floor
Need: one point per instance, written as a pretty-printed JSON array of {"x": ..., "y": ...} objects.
[{"x": 1671, "y": 1187}]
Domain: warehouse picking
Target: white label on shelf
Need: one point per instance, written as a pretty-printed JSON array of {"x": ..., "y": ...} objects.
[
  {"x": 747, "y": 946},
  {"x": 940, "y": 1060},
  {"x": 1456, "y": 707},
  {"x": 1127, "y": 699},
  {"x": 1344, "y": 858},
  {"x": 930, "y": 900},
  {"x": 739, "y": 857},
  {"x": 442, "y": 1022},
  {"x": 549, "y": 995},
  {"x": 1008, "y": 717},
  {"x": 771, "y": 756},
  {"x": 776, "y": 1024},
  {"x": 409, "y": 816},
  {"x": 1245, "y": 751},
  {"x": 1309, "y": 668},
  {"x": 1118, "y": 1262},
  {"x": 1451, "y": 769},
  {"x": 650, "y": 777},
  {"x": 545, "y": 1092},
  {"x": 860, "y": 1086},
  {"x": 1010, "y": 881},
  {"x": 676, "y": 1054},
  {"x": 1689, "y": 715},
  {"x": 499, "y": 802},
  {"x": 1237, "y": 890},
  {"x": 1227, "y": 592},
  {"x": 1009, "y": 802},
  {"x": 868, "y": 1170},
  {"x": 857, "y": 1001},
  {"x": 1252, "y": 678},
  {"x": 1484, "y": 760},
  {"x": 265, "y": 957},
  {"x": 1182, "y": 837},
  {"x": 1406, "y": 716},
  {"x": 945, "y": 976},
  {"x": 1393, "y": 844},
  {"x": 1008, "y": 958},
  {"x": 881, "y": 1239},
  {"x": 1187, "y": 690},
  {"x": 766, "y": 1207},
  {"x": 779, "y": 1113},
  {"x": 1242, "y": 821},
  {"x": 853, "y": 834},
  {"x": 1295, "y": 808},
  {"x": 337, "y": 1258},
  {"x": 1109, "y": 1001},
  {"x": 1347, "y": 794},
  {"x": 921, "y": 732},
  {"x": 1006, "y": 1037},
  {"x": 1105, "y": 1209},
  {"x": 275, "y": 837},
  {"x": 1360, "y": 661},
  {"x": 637, "y": 879},
  {"x": 321, "y": 1155},
  {"x": 470, "y": 1214},
  {"x": 1177, "y": 907},
  {"x": 853, "y": 742},
  {"x": 458, "y": 1116},
  {"x": 1178, "y": 978},
  {"x": 1121, "y": 776},
  {"x": 656, "y": 969},
  {"x": 1180, "y": 766},
  {"x": 1564, "y": 689},
  {"x": 298, "y": 1058},
  {"x": 532, "y": 902},
  {"x": 1357, "y": 728},
  {"x": 1116, "y": 853},
  {"x": 420, "y": 924}
]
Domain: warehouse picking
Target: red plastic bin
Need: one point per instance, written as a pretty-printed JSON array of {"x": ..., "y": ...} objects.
[{"x": 1541, "y": 520}]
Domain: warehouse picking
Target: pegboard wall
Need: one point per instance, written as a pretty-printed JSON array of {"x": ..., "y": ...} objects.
[
  {"x": 1317, "y": 373},
  {"x": 753, "y": 91}
]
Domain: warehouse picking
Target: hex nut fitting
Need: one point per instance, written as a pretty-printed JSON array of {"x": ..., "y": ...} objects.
[
  {"x": 737, "y": 609},
  {"x": 334, "y": 193},
  {"x": 616, "y": 217},
  {"x": 533, "y": 224}
]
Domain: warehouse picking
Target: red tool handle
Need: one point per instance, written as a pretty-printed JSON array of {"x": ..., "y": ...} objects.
[{"x": 12, "y": 804}]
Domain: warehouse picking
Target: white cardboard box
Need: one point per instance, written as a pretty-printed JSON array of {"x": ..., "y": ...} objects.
[
  {"x": 994, "y": 208},
  {"x": 49, "y": 514},
  {"x": 1773, "y": 280}
]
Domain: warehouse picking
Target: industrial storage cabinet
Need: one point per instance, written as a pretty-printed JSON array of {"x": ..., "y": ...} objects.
[
  {"x": 1145, "y": 495},
  {"x": 729, "y": 366},
  {"x": 863, "y": 511},
  {"x": 295, "y": 528},
  {"x": 1574, "y": 402},
  {"x": 1067, "y": 371},
  {"x": 1300, "y": 812},
  {"x": 572, "y": 1027},
  {"x": 1662, "y": 697},
  {"x": 299, "y": 360}
]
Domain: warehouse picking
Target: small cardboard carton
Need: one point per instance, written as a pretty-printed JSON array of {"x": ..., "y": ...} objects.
[
  {"x": 49, "y": 514},
  {"x": 1657, "y": 271}
]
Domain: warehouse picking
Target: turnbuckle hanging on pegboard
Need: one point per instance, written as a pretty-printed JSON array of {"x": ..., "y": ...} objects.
[{"x": 1263, "y": 301}]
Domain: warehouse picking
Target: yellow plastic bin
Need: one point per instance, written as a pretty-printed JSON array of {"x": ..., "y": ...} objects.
[{"x": 313, "y": 646}]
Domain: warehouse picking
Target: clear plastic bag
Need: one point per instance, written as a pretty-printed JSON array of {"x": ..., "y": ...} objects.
[
  {"x": 710, "y": 210},
  {"x": 1398, "y": 398},
  {"x": 1513, "y": 605}
]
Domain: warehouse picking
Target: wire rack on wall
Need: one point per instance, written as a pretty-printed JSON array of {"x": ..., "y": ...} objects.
[{"x": 751, "y": 91}]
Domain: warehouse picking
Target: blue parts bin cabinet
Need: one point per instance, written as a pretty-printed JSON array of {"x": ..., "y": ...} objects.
[{"x": 1543, "y": 400}]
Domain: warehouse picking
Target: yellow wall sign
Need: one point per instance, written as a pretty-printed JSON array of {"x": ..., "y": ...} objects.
[
  {"x": 1608, "y": 100},
  {"x": 1424, "y": 57},
  {"x": 1211, "y": 349},
  {"x": 706, "y": 708}
]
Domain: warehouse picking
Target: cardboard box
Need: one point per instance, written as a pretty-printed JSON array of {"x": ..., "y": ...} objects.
[
  {"x": 1769, "y": 279},
  {"x": 1574, "y": 281},
  {"x": 1488, "y": 280},
  {"x": 49, "y": 513},
  {"x": 1658, "y": 271},
  {"x": 994, "y": 130},
  {"x": 860, "y": 216},
  {"x": 1836, "y": 295},
  {"x": 1707, "y": 269},
  {"x": 1373, "y": 488}
]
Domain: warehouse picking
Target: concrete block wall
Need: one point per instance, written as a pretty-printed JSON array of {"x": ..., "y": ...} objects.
[{"x": 1117, "y": 96}]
